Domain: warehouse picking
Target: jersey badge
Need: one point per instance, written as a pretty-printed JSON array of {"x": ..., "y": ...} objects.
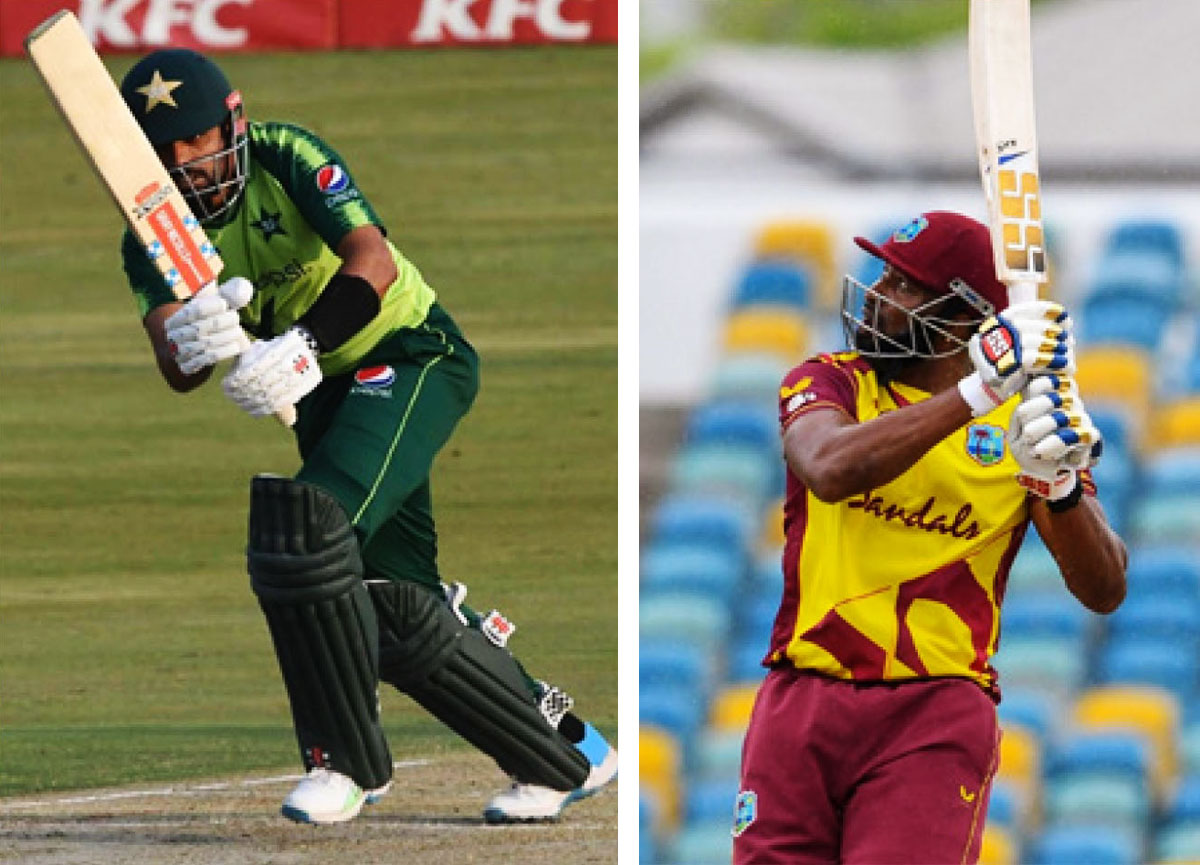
[
  {"x": 332, "y": 178},
  {"x": 798, "y": 394},
  {"x": 745, "y": 811},
  {"x": 270, "y": 224},
  {"x": 909, "y": 232},
  {"x": 985, "y": 443},
  {"x": 374, "y": 381}
]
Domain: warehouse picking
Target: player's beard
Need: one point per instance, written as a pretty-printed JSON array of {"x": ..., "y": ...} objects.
[{"x": 889, "y": 368}]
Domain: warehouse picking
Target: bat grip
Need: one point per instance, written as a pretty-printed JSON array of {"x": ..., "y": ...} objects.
[{"x": 1022, "y": 291}]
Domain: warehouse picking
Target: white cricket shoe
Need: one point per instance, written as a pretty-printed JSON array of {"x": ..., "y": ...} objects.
[
  {"x": 531, "y": 803},
  {"x": 324, "y": 796}
]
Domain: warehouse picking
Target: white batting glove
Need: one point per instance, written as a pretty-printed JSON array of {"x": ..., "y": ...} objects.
[
  {"x": 1052, "y": 437},
  {"x": 206, "y": 330},
  {"x": 1027, "y": 339},
  {"x": 273, "y": 374}
]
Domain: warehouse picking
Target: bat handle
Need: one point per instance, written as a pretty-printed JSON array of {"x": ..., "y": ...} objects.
[{"x": 1022, "y": 291}]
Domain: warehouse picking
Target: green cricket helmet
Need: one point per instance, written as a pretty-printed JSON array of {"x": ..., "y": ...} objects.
[{"x": 177, "y": 93}]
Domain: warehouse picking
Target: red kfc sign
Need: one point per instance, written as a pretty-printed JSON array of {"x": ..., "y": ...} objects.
[{"x": 249, "y": 25}]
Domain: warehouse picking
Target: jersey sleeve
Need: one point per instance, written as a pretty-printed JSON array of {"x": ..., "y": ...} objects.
[
  {"x": 315, "y": 178},
  {"x": 149, "y": 289},
  {"x": 816, "y": 384}
]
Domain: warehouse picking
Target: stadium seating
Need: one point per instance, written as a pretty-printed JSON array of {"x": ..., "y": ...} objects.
[
  {"x": 1100, "y": 757},
  {"x": 774, "y": 282},
  {"x": 782, "y": 334},
  {"x": 809, "y": 242}
]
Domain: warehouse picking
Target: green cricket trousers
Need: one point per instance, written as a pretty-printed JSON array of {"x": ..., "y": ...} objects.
[{"x": 368, "y": 438}]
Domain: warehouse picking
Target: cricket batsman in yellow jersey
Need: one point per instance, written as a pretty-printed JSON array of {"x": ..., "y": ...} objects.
[{"x": 915, "y": 463}]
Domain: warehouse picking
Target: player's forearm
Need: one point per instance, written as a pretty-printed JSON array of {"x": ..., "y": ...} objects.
[
  {"x": 1089, "y": 553},
  {"x": 365, "y": 253},
  {"x": 858, "y": 457}
]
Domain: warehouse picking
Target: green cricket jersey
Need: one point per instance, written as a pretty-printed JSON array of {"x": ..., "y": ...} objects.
[{"x": 298, "y": 204}]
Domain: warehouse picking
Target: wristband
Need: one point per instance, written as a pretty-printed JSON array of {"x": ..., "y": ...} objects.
[
  {"x": 1070, "y": 500},
  {"x": 345, "y": 306},
  {"x": 981, "y": 398}
]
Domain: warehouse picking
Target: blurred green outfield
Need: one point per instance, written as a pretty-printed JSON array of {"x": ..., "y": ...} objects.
[{"x": 131, "y": 647}]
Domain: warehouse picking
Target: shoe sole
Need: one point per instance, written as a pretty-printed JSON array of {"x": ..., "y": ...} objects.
[{"x": 299, "y": 815}]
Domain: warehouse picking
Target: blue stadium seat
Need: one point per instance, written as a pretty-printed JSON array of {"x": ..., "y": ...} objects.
[
  {"x": 1033, "y": 710},
  {"x": 1053, "y": 666},
  {"x": 703, "y": 843},
  {"x": 1167, "y": 571},
  {"x": 647, "y": 845},
  {"x": 1090, "y": 797},
  {"x": 749, "y": 377},
  {"x": 774, "y": 282},
  {"x": 711, "y": 800},
  {"x": 1153, "y": 234},
  {"x": 695, "y": 620},
  {"x": 1003, "y": 805},
  {"x": 1139, "y": 272},
  {"x": 1114, "y": 427},
  {"x": 755, "y": 616},
  {"x": 1085, "y": 845},
  {"x": 1150, "y": 660},
  {"x": 1170, "y": 616},
  {"x": 718, "y": 756},
  {"x": 704, "y": 521},
  {"x": 1100, "y": 753},
  {"x": 674, "y": 665},
  {"x": 1173, "y": 471},
  {"x": 681, "y": 713},
  {"x": 1184, "y": 806},
  {"x": 766, "y": 575},
  {"x": 743, "y": 474},
  {"x": 1124, "y": 319},
  {"x": 1055, "y": 616},
  {"x": 1178, "y": 844},
  {"x": 735, "y": 423},
  {"x": 687, "y": 569},
  {"x": 1189, "y": 747},
  {"x": 745, "y": 659},
  {"x": 1034, "y": 571},
  {"x": 1165, "y": 519}
]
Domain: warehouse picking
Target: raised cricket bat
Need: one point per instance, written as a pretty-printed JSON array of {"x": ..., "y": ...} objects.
[
  {"x": 125, "y": 161},
  {"x": 1005, "y": 133}
]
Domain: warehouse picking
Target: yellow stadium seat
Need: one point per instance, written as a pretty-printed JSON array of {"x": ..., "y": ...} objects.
[
  {"x": 1145, "y": 710},
  {"x": 999, "y": 847},
  {"x": 772, "y": 534},
  {"x": 659, "y": 767},
  {"x": 811, "y": 242},
  {"x": 731, "y": 707},
  {"x": 1176, "y": 424},
  {"x": 767, "y": 330},
  {"x": 1119, "y": 377}
]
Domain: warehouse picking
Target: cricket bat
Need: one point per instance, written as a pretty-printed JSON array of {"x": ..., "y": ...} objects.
[
  {"x": 125, "y": 161},
  {"x": 1006, "y": 137}
]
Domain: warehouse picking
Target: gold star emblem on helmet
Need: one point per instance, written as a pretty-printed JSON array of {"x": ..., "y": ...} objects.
[{"x": 158, "y": 92}]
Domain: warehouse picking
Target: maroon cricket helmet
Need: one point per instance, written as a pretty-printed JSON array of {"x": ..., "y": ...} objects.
[{"x": 946, "y": 252}]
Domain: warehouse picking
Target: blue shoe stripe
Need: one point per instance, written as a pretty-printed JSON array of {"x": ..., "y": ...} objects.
[{"x": 594, "y": 746}]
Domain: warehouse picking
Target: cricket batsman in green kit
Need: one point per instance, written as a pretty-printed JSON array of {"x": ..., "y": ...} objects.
[{"x": 342, "y": 558}]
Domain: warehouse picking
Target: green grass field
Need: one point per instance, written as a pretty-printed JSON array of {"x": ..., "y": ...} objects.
[{"x": 131, "y": 648}]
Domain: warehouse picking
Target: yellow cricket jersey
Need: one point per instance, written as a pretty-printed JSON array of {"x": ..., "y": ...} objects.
[{"x": 904, "y": 581}]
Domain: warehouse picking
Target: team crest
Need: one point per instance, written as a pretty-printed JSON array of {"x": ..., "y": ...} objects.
[
  {"x": 910, "y": 231},
  {"x": 985, "y": 443},
  {"x": 745, "y": 810}
]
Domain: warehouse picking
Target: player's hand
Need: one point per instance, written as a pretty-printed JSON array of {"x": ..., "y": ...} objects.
[
  {"x": 273, "y": 374},
  {"x": 206, "y": 330},
  {"x": 1026, "y": 340},
  {"x": 1052, "y": 437}
]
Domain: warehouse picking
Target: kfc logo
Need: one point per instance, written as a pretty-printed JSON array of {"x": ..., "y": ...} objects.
[
  {"x": 495, "y": 22},
  {"x": 109, "y": 21}
]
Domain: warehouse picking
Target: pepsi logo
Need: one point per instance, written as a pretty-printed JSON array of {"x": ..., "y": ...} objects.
[
  {"x": 332, "y": 178},
  {"x": 375, "y": 376}
]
